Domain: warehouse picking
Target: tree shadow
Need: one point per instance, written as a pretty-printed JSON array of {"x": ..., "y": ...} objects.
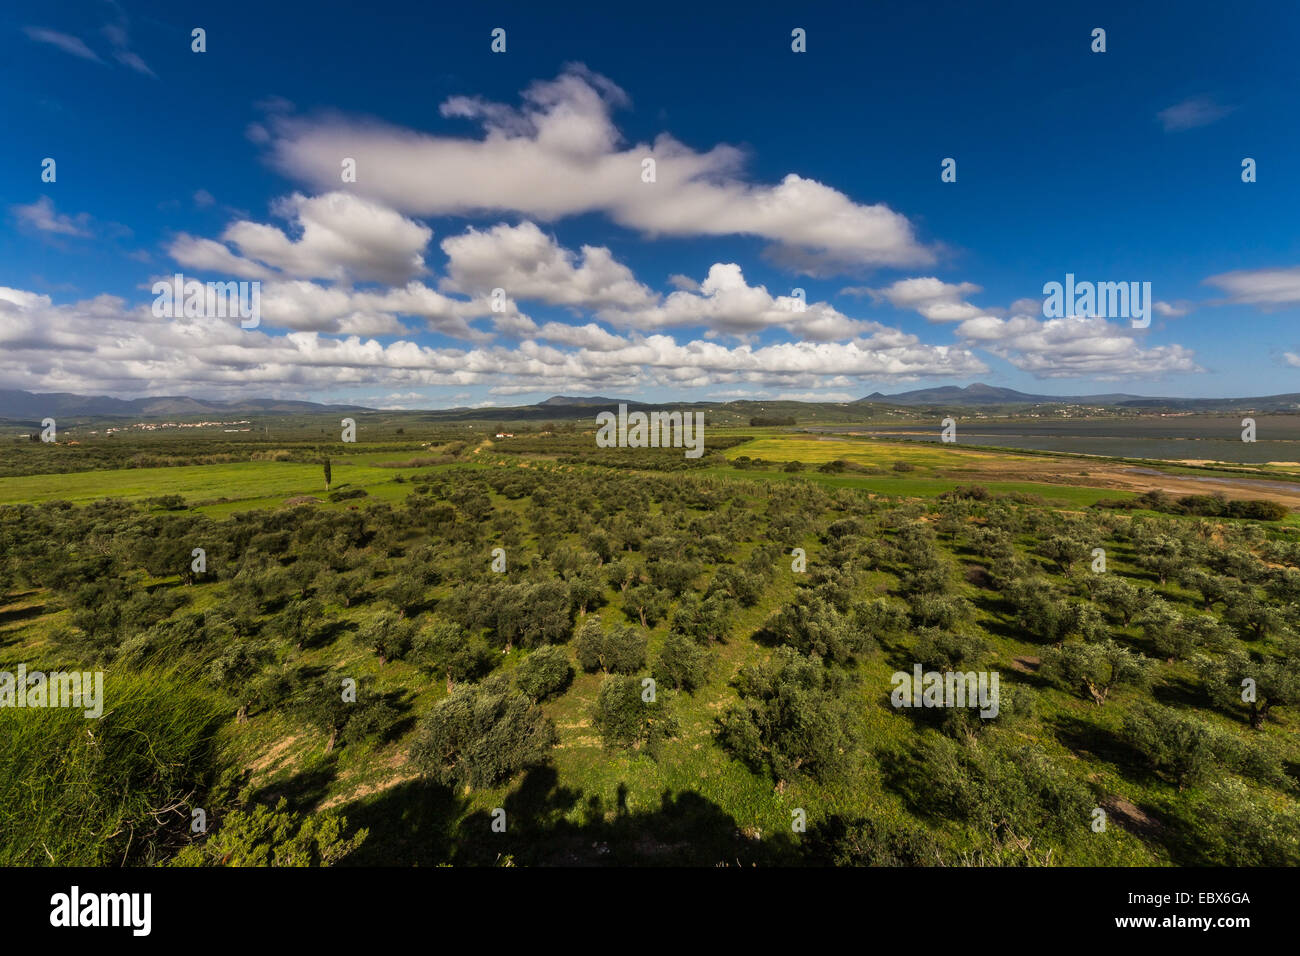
[
  {"x": 904, "y": 772},
  {"x": 1178, "y": 691},
  {"x": 305, "y": 788},
  {"x": 329, "y": 632},
  {"x": 1001, "y": 620},
  {"x": 16, "y": 614},
  {"x": 1091, "y": 740}
]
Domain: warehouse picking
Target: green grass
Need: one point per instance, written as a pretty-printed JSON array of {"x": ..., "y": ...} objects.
[
  {"x": 913, "y": 487},
  {"x": 78, "y": 791},
  {"x": 864, "y": 451},
  {"x": 243, "y": 484}
]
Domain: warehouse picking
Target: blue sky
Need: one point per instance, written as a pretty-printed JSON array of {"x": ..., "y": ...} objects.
[{"x": 521, "y": 170}]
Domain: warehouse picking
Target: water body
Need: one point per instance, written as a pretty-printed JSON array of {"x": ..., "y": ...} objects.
[{"x": 1174, "y": 438}]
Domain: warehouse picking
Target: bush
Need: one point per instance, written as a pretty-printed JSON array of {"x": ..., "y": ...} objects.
[
  {"x": 167, "y": 502},
  {"x": 1095, "y": 669},
  {"x": 261, "y": 836},
  {"x": 939, "y": 650},
  {"x": 1276, "y": 681},
  {"x": 1179, "y": 747},
  {"x": 320, "y": 702},
  {"x": 703, "y": 620},
  {"x": 481, "y": 736},
  {"x": 1015, "y": 702},
  {"x": 790, "y": 719},
  {"x": 812, "y": 625},
  {"x": 347, "y": 494},
  {"x": 872, "y": 841},
  {"x": 682, "y": 664},
  {"x": 744, "y": 587},
  {"x": 961, "y": 492},
  {"x": 1008, "y": 794},
  {"x": 625, "y": 719},
  {"x": 619, "y": 650},
  {"x": 446, "y": 648},
  {"x": 1230, "y": 826},
  {"x": 544, "y": 673},
  {"x": 389, "y": 636},
  {"x": 934, "y": 610}
]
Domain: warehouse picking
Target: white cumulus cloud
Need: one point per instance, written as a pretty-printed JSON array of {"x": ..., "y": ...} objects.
[{"x": 559, "y": 154}]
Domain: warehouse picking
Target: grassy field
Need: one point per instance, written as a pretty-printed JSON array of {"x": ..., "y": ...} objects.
[
  {"x": 865, "y": 451},
  {"x": 589, "y": 787},
  {"x": 907, "y": 486},
  {"x": 246, "y": 482},
  {"x": 221, "y": 489}
]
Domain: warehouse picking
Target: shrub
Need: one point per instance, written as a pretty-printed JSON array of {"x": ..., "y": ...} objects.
[
  {"x": 1230, "y": 826},
  {"x": 261, "y": 836},
  {"x": 544, "y": 673},
  {"x": 683, "y": 664},
  {"x": 790, "y": 719},
  {"x": 626, "y": 719},
  {"x": 1095, "y": 669},
  {"x": 1177, "y": 746},
  {"x": 812, "y": 625},
  {"x": 346, "y": 494},
  {"x": 872, "y": 841},
  {"x": 480, "y": 736},
  {"x": 619, "y": 650},
  {"x": 446, "y": 648},
  {"x": 1009, "y": 794}
]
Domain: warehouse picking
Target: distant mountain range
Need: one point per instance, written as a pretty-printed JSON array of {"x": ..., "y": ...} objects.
[
  {"x": 15, "y": 404},
  {"x": 981, "y": 394},
  {"x": 28, "y": 407},
  {"x": 565, "y": 400}
]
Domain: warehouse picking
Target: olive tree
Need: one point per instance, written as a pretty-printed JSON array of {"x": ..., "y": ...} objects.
[
  {"x": 480, "y": 736},
  {"x": 1095, "y": 669}
]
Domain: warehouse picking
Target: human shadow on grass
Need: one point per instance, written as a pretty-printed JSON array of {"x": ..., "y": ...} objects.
[
  {"x": 547, "y": 824},
  {"x": 685, "y": 829},
  {"x": 411, "y": 824}
]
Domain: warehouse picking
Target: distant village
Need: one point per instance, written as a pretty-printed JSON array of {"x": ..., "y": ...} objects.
[{"x": 161, "y": 426}]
